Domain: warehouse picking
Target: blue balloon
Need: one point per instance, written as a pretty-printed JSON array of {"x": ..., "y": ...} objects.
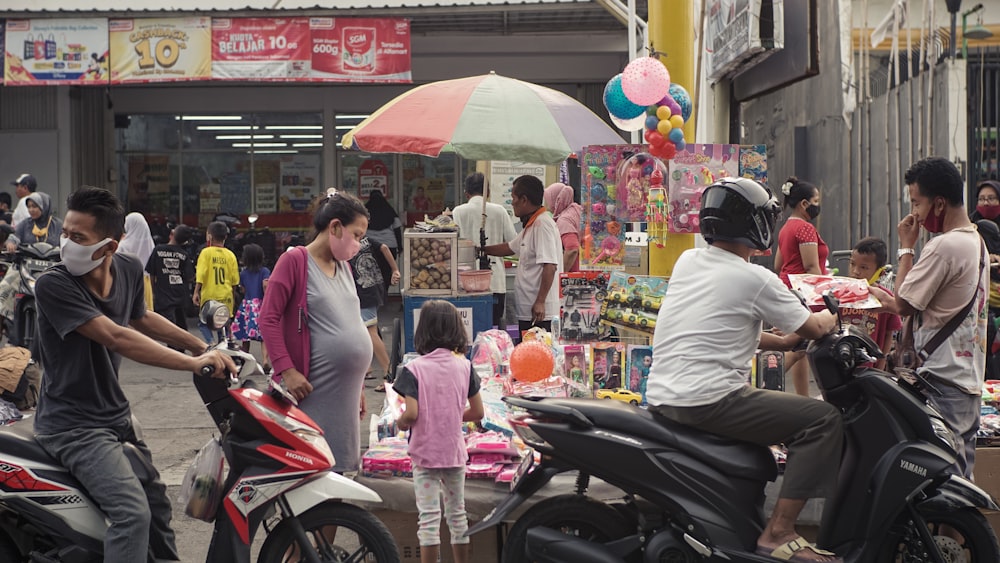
[
  {"x": 680, "y": 145},
  {"x": 651, "y": 122},
  {"x": 617, "y": 103},
  {"x": 676, "y": 134},
  {"x": 683, "y": 99}
]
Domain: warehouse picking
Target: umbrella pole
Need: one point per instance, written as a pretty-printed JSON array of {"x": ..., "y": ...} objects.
[{"x": 484, "y": 260}]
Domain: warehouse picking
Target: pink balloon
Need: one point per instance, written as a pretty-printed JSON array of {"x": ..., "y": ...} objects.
[{"x": 645, "y": 81}]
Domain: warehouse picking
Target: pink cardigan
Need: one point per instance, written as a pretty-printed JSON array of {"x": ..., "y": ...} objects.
[{"x": 284, "y": 318}]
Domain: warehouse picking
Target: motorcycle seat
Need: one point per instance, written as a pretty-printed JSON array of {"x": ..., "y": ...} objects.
[
  {"x": 18, "y": 440},
  {"x": 731, "y": 457}
]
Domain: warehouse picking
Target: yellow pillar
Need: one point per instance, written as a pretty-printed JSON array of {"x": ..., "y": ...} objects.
[{"x": 671, "y": 36}]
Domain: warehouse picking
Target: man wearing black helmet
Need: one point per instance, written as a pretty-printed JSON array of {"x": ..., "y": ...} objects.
[{"x": 705, "y": 337}]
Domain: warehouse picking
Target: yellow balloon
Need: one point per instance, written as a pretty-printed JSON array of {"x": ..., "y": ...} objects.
[
  {"x": 663, "y": 112},
  {"x": 676, "y": 121},
  {"x": 664, "y": 127}
]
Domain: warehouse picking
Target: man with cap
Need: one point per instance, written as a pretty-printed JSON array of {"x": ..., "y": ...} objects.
[{"x": 24, "y": 185}]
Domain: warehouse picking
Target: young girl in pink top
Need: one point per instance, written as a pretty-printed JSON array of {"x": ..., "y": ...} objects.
[{"x": 436, "y": 387}]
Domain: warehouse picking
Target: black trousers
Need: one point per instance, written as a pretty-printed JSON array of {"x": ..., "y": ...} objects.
[{"x": 174, "y": 314}]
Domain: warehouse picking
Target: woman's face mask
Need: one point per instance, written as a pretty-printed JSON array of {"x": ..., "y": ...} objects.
[{"x": 345, "y": 246}]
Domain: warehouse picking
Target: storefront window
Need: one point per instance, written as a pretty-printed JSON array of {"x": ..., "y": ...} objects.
[
  {"x": 192, "y": 167},
  {"x": 428, "y": 186},
  {"x": 362, "y": 173}
]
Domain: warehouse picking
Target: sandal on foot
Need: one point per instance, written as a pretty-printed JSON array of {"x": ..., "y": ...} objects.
[
  {"x": 380, "y": 388},
  {"x": 369, "y": 375},
  {"x": 795, "y": 550}
]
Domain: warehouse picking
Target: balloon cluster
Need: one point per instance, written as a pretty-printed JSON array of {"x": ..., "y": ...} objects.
[
  {"x": 642, "y": 98},
  {"x": 665, "y": 121}
]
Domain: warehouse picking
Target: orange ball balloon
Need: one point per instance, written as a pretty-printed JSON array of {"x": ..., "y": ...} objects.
[
  {"x": 663, "y": 112},
  {"x": 677, "y": 121},
  {"x": 531, "y": 361},
  {"x": 664, "y": 127}
]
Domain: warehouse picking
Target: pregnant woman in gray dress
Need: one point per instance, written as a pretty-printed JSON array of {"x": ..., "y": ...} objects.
[{"x": 311, "y": 324}]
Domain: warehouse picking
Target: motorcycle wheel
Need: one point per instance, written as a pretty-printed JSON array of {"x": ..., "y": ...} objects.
[
  {"x": 360, "y": 536},
  {"x": 575, "y": 515},
  {"x": 978, "y": 544}
]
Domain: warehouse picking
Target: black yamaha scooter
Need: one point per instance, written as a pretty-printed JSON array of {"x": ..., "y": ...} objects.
[{"x": 689, "y": 496}]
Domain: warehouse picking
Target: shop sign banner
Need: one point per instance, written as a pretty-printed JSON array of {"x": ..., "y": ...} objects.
[
  {"x": 373, "y": 176},
  {"x": 261, "y": 49},
  {"x": 361, "y": 50},
  {"x": 56, "y": 51},
  {"x": 734, "y": 34},
  {"x": 160, "y": 49}
]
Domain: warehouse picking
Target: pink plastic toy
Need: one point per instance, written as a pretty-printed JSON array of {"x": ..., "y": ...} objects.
[{"x": 609, "y": 249}]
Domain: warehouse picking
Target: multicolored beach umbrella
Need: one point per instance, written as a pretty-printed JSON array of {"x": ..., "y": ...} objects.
[{"x": 487, "y": 117}]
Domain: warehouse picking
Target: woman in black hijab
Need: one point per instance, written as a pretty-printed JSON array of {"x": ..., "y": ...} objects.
[{"x": 384, "y": 226}]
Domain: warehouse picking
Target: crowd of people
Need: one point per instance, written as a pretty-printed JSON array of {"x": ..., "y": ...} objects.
[{"x": 328, "y": 292}]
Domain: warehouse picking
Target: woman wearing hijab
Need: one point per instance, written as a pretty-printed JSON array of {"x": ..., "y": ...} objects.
[
  {"x": 138, "y": 242},
  {"x": 559, "y": 200},
  {"x": 386, "y": 228},
  {"x": 43, "y": 226}
]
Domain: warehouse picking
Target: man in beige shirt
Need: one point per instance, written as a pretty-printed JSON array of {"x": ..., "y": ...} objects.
[{"x": 940, "y": 285}]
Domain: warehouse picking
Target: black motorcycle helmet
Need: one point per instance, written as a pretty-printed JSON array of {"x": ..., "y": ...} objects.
[{"x": 738, "y": 210}]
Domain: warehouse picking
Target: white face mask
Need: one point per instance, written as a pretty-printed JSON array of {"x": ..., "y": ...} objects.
[{"x": 77, "y": 257}]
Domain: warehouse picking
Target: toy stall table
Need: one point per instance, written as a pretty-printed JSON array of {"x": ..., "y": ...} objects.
[{"x": 476, "y": 310}]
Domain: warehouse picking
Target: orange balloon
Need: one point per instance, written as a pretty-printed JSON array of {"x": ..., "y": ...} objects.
[{"x": 531, "y": 361}]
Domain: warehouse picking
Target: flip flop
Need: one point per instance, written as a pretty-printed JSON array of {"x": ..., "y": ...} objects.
[
  {"x": 380, "y": 388},
  {"x": 792, "y": 551},
  {"x": 369, "y": 375}
]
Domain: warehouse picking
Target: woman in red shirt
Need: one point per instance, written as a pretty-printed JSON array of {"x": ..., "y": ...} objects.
[{"x": 800, "y": 251}]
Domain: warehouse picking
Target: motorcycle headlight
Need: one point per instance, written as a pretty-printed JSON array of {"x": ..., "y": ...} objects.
[{"x": 945, "y": 435}]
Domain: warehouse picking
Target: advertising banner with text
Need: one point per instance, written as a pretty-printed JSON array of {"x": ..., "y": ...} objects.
[
  {"x": 160, "y": 49},
  {"x": 261, "y": 49},
  {"x": 56, "y": 51},
  {"x": 360, "y": 50}
]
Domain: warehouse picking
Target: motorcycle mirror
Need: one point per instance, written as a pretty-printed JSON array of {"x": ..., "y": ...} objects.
[
  {"x": 214, "y": 314},
  {"x": 253, "y": 219}
]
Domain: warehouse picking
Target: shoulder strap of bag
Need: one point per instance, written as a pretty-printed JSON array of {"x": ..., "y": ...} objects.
[{"x": 944, "y": 332}]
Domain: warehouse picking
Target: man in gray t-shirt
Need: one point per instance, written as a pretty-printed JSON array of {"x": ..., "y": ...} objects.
[{"x": 91, "y": 311}]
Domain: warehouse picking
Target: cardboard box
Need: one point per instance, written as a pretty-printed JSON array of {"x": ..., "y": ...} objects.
[
  {"x": 987, "y": 470},
  {"x": 485, "y": 546}
]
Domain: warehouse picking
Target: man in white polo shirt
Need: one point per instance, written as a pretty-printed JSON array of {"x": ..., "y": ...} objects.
[{"x": 539, "y": 251}]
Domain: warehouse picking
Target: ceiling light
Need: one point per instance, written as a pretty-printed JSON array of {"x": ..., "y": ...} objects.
[
  {"x": 209, "y": 118},
  {"x": 345, "y": 127},
  {"x": 307, "y": 144},
  {"x": 241, "y": 145},
  {"x": 294, "y": 127},
  {"x": 275, "y": 152},
  {"x": 340, "y": 117},
  {"x": 238, "y": 137},
  {"x": 227, "y": 127},
  {"x": 298, "y": 136}
]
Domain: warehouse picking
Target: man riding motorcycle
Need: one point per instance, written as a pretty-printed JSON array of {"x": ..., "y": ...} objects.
[
  {"x": 701, "y": 365},
  {"x": 90, "y": 313}
]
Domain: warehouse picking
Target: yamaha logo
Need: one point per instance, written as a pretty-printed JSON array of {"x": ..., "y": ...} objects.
[{"x": 913, "y": 468}]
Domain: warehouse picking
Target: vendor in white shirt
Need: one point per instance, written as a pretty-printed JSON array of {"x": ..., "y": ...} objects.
[
  {"x": 539, "y": 251},
  {"x": 499, "y": 228}
]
